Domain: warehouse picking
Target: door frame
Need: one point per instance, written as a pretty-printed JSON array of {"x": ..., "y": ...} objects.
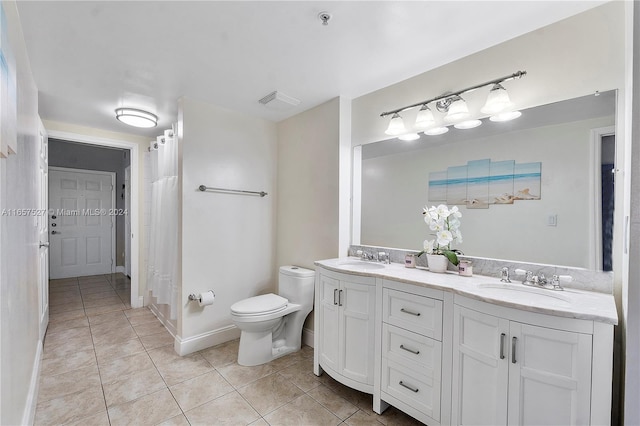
[
  {"x": 113, "y": 204},
  {"x": 137, "y": 300}
]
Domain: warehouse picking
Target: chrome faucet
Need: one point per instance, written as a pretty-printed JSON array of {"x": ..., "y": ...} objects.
[
  {"x": 504, "y": 275},
  {"x": 384, "y": 257},
  {"x": 542, "y": 281}
]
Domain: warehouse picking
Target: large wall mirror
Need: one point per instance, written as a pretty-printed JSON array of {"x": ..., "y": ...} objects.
[{"x": 572, "y": 222}]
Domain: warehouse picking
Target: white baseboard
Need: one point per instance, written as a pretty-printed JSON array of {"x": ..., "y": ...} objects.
[
  {"x": 307, "y": 337},
  {"x": 29, "y": 414},
  {"x": 139, "y": 303},
  {"x": 121, "y": 270},
  {"x": 206, "y": 340}
]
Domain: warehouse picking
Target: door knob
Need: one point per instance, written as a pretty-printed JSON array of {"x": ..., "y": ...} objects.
[
  {"x": 54, "y": 232},
  {"x": 44, "y": 244}
]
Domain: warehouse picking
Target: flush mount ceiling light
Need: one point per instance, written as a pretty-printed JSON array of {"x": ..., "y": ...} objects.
[
  {"x": 498, "y": 105},
  {"x": 136, "y": 117}
]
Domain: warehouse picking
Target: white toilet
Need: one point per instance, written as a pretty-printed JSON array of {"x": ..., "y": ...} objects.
[{"x": 271, "y": 324}]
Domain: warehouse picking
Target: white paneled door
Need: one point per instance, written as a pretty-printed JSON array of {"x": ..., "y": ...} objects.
[{"x": 81, "y": 222}]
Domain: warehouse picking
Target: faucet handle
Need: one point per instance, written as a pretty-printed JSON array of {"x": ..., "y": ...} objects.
[
  {"x": 555, "y": 281},
  {"x": 384, "y": 257},
  {"x": 504, "y": 275}
]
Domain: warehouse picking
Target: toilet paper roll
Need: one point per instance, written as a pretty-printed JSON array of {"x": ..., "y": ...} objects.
[{"x": 206, "y": 298}]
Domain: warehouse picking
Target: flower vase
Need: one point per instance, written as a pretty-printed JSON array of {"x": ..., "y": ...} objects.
[{"x": 437, "y": 263}]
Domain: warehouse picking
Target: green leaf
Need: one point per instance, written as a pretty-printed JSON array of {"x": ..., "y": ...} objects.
[{"x": 451, "y": 255}]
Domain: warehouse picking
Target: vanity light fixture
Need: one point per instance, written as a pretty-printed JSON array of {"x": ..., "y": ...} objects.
[
  {"x": 136, "y": 117},
  {"x": 396, "y": 126},
  {"x": 425, "y": 118},
  {"x": 498, "y": 106}
]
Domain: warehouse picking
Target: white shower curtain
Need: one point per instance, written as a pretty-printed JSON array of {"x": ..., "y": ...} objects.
[{"x": 162, "y": 271}]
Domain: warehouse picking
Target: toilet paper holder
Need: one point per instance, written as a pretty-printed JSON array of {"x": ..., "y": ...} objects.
[{"x": 196, "y": 297}]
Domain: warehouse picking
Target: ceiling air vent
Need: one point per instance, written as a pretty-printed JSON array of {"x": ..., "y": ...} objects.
[{"x": 279, "y": 101}]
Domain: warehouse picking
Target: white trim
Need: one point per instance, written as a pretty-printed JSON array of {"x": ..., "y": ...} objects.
[
  {"x": 29, "y": 414},
  {"x": 134, "y": 150},
  {"x": 113, "y": 203},
  {"x": 206, "y": 340},
  {"x": 121, "y": 269},
  {"x": 308, "y": 337}
]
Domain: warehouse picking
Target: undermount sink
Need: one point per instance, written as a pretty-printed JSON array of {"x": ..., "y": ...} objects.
[
  {"x": 361, "y": 264},
  {"x": 520, "y": 293}
]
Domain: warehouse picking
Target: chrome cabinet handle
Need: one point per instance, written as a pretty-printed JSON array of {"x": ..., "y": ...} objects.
[
  {"x": 409, "y": 350},
  {"x": 417, "y": 314},
  {"x": 502, "y": 336},
  {"x": 514, "y": 342},
  {"x": 335, "y": 291},
  {"x": 340, "y": 298},
  {"x": 411, "y": 388}
]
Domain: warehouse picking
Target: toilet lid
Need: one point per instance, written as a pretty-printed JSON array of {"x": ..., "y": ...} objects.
[{"x": 263, "y": 304}]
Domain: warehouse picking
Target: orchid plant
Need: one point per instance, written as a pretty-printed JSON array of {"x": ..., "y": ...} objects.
[{"x": 445, "y": 223}]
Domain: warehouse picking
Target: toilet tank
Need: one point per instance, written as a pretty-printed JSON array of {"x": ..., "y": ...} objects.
[{"x": 296, "y": 284}]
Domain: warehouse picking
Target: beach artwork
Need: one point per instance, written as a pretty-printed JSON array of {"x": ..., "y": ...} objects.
[{"x": 480, "y": 183}]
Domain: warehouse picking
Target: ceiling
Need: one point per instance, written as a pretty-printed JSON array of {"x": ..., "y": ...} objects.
[{"x": 90, "y": 57}]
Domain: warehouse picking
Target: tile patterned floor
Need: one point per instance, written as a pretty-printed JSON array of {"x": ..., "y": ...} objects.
[{"x": 107, "y": 364}]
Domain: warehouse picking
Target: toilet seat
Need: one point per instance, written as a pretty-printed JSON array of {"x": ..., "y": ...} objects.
[{"x": 259, "y": 305}]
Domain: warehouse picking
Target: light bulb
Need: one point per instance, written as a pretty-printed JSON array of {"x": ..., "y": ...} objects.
[
  {"x": 436, "y": 131},
  {"x": 505, "y": 116},
  {"x": 468, "y": 124}
]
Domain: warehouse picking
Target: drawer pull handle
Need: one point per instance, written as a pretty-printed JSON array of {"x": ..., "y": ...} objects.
[
  {"x": 411, "y": 388},
  {"x": 335, "y": 292},
  {"x": 502, "y": 336},
  {"x": 417, "y": 314},
  {"x": 409, "y": 350},
  {"x": 514, "y": 343}
]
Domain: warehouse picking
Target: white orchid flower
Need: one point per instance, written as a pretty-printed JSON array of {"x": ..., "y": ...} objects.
[
  {"x": 443, "y": 211},
  {"x": 428, "y": 246},
  {"x": 455, "y": 212},
  {"x": 444, "y": 237}
]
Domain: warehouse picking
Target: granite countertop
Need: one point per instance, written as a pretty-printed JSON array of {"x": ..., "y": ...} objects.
[{"x": 569, "y": 303}]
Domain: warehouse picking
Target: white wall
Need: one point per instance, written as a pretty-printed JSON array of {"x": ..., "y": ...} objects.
[
  {"x": 308, "y": 186},
  {"x": 20, "y": 347},
  {"x": 227, "y": 240},
  {"x": 395, "y": 189}
]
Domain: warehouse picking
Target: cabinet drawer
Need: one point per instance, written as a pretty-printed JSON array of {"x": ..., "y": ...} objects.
[
  {"x": 417, "y": 390},
  {"x": 422, "y": 315},
  {"x": 419, "y": 352}
]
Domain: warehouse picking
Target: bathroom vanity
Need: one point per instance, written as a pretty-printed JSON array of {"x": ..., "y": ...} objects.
[{"x": 448, "y": 349}]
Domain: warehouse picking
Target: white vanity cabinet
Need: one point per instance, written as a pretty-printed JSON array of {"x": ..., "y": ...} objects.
[
  {"x": 412, "y": 350},
  {"x": 345, "y": 320},
  {"x": 521, "y": 368}
]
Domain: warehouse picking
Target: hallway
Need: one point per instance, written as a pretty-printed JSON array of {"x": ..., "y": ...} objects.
[{"x": 107, "y": 364}]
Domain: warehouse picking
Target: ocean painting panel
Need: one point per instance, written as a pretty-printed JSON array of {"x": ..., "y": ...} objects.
[
  {"x": 526, "y": 181},
  {"x": 478, "y": 184},
  {"x": 501, "y": 182},
  {"x": 457, "y": 185},
  {"x": 438, "y": 186}
]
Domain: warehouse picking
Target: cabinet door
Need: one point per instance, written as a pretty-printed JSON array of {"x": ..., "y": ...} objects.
[
  {"x": 357, "y": 324},
  {"x": 549, "y": 376},
  {"x": 329, "y": 326},
  {"x": 480, "y": 368}
]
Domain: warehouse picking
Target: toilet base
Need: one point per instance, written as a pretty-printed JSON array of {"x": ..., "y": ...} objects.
[{"x": 258, "y": 348}]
